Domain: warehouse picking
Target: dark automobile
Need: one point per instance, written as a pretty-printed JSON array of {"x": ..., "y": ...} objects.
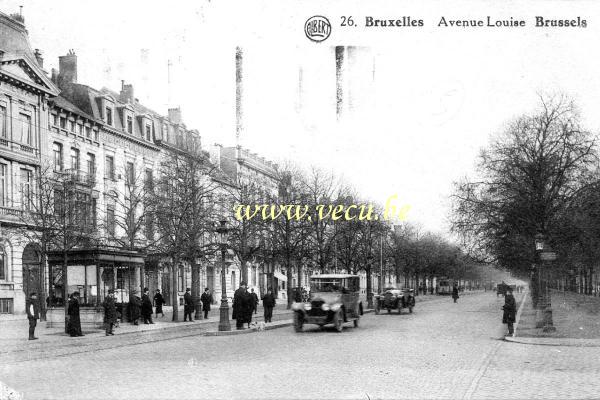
[
  {"x": 393, "y": 298},
  {"x": 334, "y": 299}
]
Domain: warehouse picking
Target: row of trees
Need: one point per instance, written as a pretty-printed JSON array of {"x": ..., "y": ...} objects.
[{"x": 539, "y": 176}]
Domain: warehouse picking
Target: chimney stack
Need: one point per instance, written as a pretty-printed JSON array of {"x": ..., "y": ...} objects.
[
  {"x": 126, "y": 95},
  {"x": 175, "y": 115},
  {"x": 39, "y": 58},
  {"x": 67, "y": 69}
]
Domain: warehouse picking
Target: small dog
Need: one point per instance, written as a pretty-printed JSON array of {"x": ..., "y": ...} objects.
[{"x": 260, "y": 326}]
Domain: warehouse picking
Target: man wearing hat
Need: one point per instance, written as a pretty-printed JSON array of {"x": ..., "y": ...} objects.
[
  {"x": 241, "y": 306},
  {"x": 110, "y": 312},
  {"x": 188, "y": 307},
  {"x": 207, "y": 300},
  {"x": 32, "y": 308}
]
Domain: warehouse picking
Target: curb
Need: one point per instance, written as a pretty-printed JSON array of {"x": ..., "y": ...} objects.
[{"x": 566, "y": 342}]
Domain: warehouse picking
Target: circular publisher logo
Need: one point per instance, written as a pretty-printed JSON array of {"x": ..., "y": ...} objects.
[{"x": 317, "y": 28}]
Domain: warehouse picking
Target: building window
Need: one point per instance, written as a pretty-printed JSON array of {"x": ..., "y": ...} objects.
[
  {"x": 3, "y": 268},
  {"x": 72, "y": 126},
  {"x": 109, "y": 168},
  {"x": 59, "y": 206},
  {"x": 233, "y": 283},
  {"x": 88, "y": 132},
  {"x": 91, "y": 164},
  {"x": 75, "y": 159},
  {"x": 109, "y": 119},
  {"x": 80, "y": 129},
  {"x": 181, "y": 279},
  {"x": 3, "y": 184},
  {"x": 26, "y": 136},
  {"x": 130, "y": 173},
  {"x": 58, "y": 156},
  {"x": 63, "y": 123},
  {"x": 110, "y": 220},
  {"x": 129, "y": 124},
  {"x": 148, "y": 133},
  {"x": 54, "y": 119},
  {"x": 6, "y": 306},
  {"x": 3, "y": 122},
  {"x": 165, "y": 133},
  {"x": 26, "y": 185},
  {"x": 93, "y": 213}
]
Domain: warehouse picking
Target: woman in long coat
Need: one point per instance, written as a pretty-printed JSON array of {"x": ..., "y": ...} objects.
[
  {"x": 158, "y": 303},
  {"x": 241, "y": 304},
  {"x": 147, "y": 307},
  {"x": 510, "y": 310},
  {"x": 74, "y": 325},
  {"x": 455, "y": 293}
]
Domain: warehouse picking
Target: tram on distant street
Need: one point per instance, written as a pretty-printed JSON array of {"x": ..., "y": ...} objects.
[{"x": 444, "y": 286}]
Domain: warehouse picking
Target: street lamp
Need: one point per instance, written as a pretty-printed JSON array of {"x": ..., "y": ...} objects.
[
  {"x": 224, "y": 324},
  {"x": 546, "y": 255}
]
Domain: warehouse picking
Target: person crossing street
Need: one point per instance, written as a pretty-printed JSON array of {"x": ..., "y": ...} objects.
[{"x": 33, "y": 315}]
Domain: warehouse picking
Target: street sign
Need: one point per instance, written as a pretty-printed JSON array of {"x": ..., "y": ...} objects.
[{"x": 548, "y": 256}]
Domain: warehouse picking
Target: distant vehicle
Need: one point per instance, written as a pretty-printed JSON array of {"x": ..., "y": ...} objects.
[
  {"x": 334, "y": 299},
  {"x": 393, "y": 298},
  {"x": 444, "y": 286}
]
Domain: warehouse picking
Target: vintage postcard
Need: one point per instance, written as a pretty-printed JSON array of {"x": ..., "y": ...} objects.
[{"x": 299, "y": 199}]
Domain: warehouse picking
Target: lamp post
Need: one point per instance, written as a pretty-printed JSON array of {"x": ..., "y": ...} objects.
[{"x": 224, "y": 324}]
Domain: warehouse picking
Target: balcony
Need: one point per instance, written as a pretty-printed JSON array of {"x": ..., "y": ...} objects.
[
  {"x": 11, "y": 212},
  {"x": 78, "y": 176}
]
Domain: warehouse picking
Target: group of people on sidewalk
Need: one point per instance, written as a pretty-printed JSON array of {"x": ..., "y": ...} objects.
[{"x": 246, "y": 303}]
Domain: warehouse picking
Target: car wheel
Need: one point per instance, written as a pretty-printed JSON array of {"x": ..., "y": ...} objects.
[
  {"x": 356, "y": 323},
  {"x": 338, "y": 321},
  {"x": 298, "y": 322}
]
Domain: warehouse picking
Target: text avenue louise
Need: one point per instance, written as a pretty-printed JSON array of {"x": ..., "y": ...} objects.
[{"x": 486, "y": 22}]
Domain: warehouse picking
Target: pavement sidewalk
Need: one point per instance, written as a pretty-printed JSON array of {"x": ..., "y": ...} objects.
[{"x": 575, "y": 317}]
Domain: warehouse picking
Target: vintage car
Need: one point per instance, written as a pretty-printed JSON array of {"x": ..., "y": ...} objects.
[
  {"x": 334, "y": 299},
  {"x": 393, "y": 298}
]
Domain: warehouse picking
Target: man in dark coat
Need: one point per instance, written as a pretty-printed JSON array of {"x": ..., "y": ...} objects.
[
  {"x": 146, "y": 307},
  {"x": 240, "y": 306},
  {"x": 207, "y": 300},
  {"x": 74, "y": 325},
  {"x": 33, "y": 314},
  {"x": 455, "y": 292},
  {"x": 268, "y": 305},
  {"x": 188, "y": 307},
  {"x": 110, "y": 312},
  {"x": 254, "y": 300},
  {"x": 134, "y": 307},
  {"x": 510, "y": 310},
  {"x": 158, "y": 303}
]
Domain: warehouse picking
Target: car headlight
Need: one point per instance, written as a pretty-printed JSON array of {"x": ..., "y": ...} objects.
[
  {"x": 296, "y": 306},
  {"x": 335, "y": 307},
  {"x": 325, "y": 307}
]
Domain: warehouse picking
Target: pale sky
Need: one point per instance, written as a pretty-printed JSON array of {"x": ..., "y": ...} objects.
[{"x": 437, "y": 96}]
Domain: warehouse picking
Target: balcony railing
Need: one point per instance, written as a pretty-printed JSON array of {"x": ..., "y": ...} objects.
[
  {"x": 78, "y": 176},
  {"x": 15, "y": 212}
]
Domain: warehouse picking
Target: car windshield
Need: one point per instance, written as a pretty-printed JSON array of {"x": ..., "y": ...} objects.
[{"x": 326, "y": 285}]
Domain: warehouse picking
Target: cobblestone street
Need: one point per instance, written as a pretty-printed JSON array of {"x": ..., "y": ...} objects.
[{"x": 443, "y": 350}]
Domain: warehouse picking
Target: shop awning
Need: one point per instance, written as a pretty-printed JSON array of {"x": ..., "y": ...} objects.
[{"x": 280, "y": 276}]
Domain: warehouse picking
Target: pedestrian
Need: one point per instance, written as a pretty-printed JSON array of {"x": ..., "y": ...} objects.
[
  {"x": 455, "y": 292},
  {"x": 188, "y": 305},
  {"x": 33, "y": 314},
  {"x": 74, "y": 323},
  {"x": 147, "y": 307},
  {"x": 110, "y": 312},
  {"x": 268, "y": 304},
  {"x": 250, "y": 306},
  {"x": 207, "y": 300},
  {"x": 254, "y": 300},
  {"x": 158, "y": 303},
  {"x": 510, "y": 310},
  {"x": 134, "y": 307},
  {"x": 240, "y": 305}
]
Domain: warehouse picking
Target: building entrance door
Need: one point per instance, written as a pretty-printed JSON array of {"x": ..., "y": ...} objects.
[{"x": 31, "y": 271}]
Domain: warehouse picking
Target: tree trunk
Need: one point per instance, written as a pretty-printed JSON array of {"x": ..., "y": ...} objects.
[
  {"x": 65, "y": 288},
  {"x": 290, "y": 289},
  {"x": 173, "y": 271},
  {"x": 300, "y": 273},
  {"x": 196, "y": 291},
  {"x": 244, "y": 267},
  {"x": 42, "y": 280},
  {"x": 369, "y": 287}
]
